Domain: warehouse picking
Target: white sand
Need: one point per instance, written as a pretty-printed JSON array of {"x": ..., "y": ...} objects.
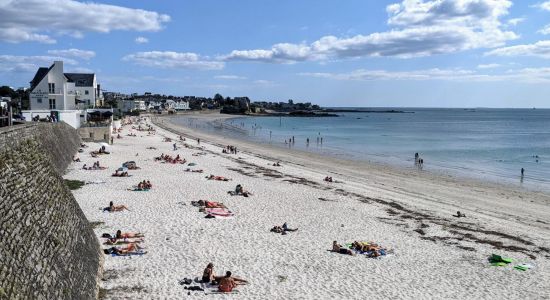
[{"x": 180, "y": 241}]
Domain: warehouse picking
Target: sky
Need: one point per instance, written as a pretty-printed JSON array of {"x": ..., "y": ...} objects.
[{"x": 383, "y": 53}]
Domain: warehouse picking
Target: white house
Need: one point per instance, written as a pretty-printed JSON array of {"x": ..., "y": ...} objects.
[
  {"x": 140, "y": 105},
  {"x": 181, "y": 105},
  {"x": 63, "y": 95}
]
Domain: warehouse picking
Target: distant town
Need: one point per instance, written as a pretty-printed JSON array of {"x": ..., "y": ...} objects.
[{"x": 79, "y": 100}]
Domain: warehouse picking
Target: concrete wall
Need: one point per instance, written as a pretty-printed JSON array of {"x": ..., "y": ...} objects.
[
  {"x": 48, "y": 249},
  {"x": 96, "y": 134}
]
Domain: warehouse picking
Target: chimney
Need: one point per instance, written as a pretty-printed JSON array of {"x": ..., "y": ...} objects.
[{"x": 58, "y": 64}]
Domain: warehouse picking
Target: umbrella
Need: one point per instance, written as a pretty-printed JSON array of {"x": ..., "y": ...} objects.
[{"x": 122, "y": 169}]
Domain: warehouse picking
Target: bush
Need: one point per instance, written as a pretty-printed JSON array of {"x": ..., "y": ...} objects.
[{"x": 74, "y": 184}]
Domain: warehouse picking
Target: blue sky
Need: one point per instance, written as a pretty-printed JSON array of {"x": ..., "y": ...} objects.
[{"x": 437, "y": 53}]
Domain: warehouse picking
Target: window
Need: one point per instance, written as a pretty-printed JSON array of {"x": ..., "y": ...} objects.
[
  {"x": 86, "y": 92},
  {"x": 52, "y": 103},
  {"x": 51, "y": 88},
  {"x": 38, "y": 100}
]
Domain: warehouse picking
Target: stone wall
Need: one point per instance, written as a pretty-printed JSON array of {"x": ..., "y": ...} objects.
[
  {"x": 95, "y": 134},
  {"x": 48, "y": 249}
]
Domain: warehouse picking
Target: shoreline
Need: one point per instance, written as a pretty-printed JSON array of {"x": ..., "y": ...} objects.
[
  {"x": 434, "y": 254},
  {"x": 399, "y": 168}
]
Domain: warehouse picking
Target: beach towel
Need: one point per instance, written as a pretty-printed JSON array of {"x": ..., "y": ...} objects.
[
  {"x": 523, "y": 267},
  {"x": 219, "y": 212},
  {"x": 499, "y": 261}
]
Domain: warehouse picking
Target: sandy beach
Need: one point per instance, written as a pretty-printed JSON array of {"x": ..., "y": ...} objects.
[{"x": 433, "y": 254}]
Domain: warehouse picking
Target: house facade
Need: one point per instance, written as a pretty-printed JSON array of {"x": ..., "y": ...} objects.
[{"x": 62, "y": 95}]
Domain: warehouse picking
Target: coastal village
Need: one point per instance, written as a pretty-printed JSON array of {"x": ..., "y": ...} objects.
[{"x": 274, "y": 149}]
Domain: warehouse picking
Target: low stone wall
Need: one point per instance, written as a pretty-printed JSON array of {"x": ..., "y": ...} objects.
[
  {"x": 48, "y": 249},
  {"x": 95, "y": 134}
]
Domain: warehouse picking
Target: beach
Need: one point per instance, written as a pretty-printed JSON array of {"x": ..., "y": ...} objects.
[{"x": 433, "y": 254}]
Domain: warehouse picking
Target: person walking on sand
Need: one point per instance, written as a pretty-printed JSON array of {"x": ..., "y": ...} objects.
[
  {"x": 522, "y": 171},
  {"x": 198, "y": 141},
  {"x": 175, "y": 147}
]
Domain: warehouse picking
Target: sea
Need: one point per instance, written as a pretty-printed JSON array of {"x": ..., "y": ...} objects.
[{"x": 481, "y": 143}]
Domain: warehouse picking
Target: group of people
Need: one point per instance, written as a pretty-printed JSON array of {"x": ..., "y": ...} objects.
[
  {"x": 96, "y": 166},
  {"x": 328, "y": 179},
  {"x": 169, "y": 159},
  {"x": 230, "y": 149},
  {"x": 368, "y": 248},
  {"x": 418, "y": 161},
  {"x": 131, "y": 240},
  {"x": 144, "y": 185},
  {"x": 225, "y": 284}
]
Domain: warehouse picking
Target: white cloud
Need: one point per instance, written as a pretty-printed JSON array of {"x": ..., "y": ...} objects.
[
  {"x": 15, "y": 63},
  {"x": 175, "y": 60},
  {"x": 34, "y": 20},
  {"x": 76, "y": 53},
  {"x": 141, "y": 40},
  {"x": 230, "y": 77},
  {"x": 488, "y": 66},
  {"x": 526, "y": 75},
  {"x": 421, "y": 28},
  {"x": 545, "y": 30},
  {"x": 543, "y": 5},
  {"x": 515, "y": 21},
  {"x": 538, "y": 49}
]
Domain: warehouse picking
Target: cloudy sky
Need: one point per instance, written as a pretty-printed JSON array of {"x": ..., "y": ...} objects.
[{"x": 442, "y": 53}]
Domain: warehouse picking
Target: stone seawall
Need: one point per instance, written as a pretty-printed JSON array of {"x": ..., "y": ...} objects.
[{"x": 48, "y": 249}]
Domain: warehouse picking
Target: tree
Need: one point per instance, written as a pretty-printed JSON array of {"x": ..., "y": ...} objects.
[
  {"x": 218, "y": 98},
  {"x": 6, "y": 91}
]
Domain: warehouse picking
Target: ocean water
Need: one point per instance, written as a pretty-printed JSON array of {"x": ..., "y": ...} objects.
[{"x": 491, "y": 144}]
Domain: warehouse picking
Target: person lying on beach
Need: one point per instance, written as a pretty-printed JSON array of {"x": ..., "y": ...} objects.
[
  {"x": 83, "y": 145},
  {"x": 120, "y": 174},
  {"x": 76, "y": 158},
  {"x": 228, "y": 283},
  {"x": 219, "y": 178},
  {"x": 114, "y": 208},
  {"x": 282, "y": 229},
  {"x": 126, "y": 235},
  {"x": 339, "y": 249},
  {"x": 193, "y": 171},
  {"x": 459, "y": 215},
  {"x": 115, "y": 241},
  {"x": 132, "y": 248}
]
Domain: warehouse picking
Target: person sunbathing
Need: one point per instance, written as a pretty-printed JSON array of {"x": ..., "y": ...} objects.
[
  {"x": 211, "y": 204},
  {"x": 132, "y": 248},
  {"x": 114, "y": 208},
  {"x": 228, "y": 283},
  {"x": 339, "y": 249},
  {"x": 115, "y": 241},
  {"x": 126, "y": 235},
  {"x": 239, "y": 190},
  {"x": 285, "y": 227},
  {"x": 76, "y": 159},
  {"x": 194, "y": 171},
  {"x": 208, "y": 273},
  {"x": 219, "y": 178},
  {"x": 460, "y": 215},
  {"x": 148, "y": 184}
]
